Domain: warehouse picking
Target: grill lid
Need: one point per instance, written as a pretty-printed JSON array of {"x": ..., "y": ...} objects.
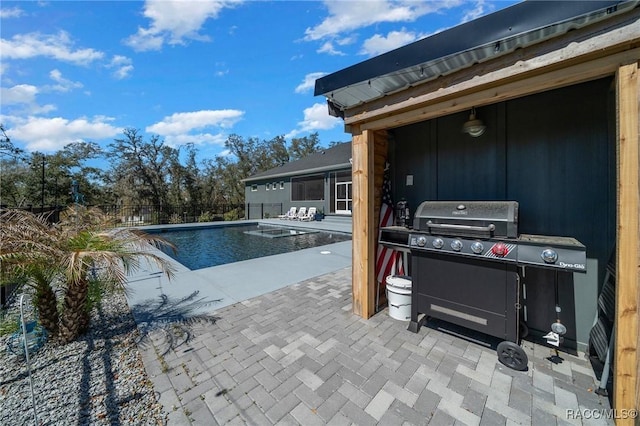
[{"x": 484, "y": 219}]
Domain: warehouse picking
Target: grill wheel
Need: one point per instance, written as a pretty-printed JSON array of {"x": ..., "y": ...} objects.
[{"x": 512, "y": 355}]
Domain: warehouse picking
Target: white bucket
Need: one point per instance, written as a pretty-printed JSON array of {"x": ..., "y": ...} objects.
[{"x": 399, "y": 297}]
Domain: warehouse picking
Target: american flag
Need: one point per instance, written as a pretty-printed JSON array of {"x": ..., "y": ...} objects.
[{"x": 388, "y": 261}]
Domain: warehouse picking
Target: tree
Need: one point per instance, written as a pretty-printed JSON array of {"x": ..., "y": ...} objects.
[
  {"x": 191, "y": 179},
  {"x": 302, "y": 147},
  {"x": 69, "y": 165},
  {"x": 13, "y": 183},
  {"x": 139, "y": 169},
  {"x": 40, "y": 179},
  {"x": 12, "y": 169}
]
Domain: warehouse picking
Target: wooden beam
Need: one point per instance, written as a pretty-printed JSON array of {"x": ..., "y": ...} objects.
[
  {"x": 628, "y": 244},
  {"x": 452, "y": 101},
  {"x": 363, "y": 255}
]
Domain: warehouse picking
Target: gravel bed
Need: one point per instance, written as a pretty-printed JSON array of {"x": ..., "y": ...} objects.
[{"x": 98, "y": 380}]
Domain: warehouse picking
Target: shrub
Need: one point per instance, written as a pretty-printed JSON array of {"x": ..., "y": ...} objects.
[
  {"x": 175, "y": 218},
  {"x": 233, "y": 214},
  {"x": 206, "y": 217}
]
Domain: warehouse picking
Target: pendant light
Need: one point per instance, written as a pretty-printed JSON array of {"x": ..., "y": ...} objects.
[{"x": 474, "y": 127}]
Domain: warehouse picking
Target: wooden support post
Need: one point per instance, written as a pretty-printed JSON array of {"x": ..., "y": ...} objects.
[
  {"x": 363, "y": 255},
  {"x": 626, "y": 385}
]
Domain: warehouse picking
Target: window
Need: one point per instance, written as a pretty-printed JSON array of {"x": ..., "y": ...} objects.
[
  {"x": 267, "y": 186},
  {"x": 274, "y": 185},
  {"x": 281, "y": 184},
  {"x": 308, "y": 188},
  {"x": 254, "y": 187}
]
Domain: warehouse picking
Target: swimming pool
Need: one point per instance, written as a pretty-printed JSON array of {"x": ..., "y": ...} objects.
[{"x": 199, "y": 248}]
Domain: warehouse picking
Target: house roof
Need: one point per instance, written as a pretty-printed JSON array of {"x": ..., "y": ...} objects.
[
  {"x": 476, "y": 41},
  {"x": 334, "y": 158}
]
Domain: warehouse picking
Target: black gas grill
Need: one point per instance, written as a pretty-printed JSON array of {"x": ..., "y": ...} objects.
[{"x": 466, "y": 262}]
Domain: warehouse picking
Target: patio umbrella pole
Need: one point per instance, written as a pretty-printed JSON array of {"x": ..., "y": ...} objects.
[{"x": 26, "y": 354}]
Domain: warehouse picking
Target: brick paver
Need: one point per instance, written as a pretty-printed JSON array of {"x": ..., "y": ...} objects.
[{"x": 299, "y": 356}]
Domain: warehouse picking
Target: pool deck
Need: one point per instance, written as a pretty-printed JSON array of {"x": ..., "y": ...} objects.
[
  {"x": 278, "y": 344},
  {"x": 224, "y": 285}
]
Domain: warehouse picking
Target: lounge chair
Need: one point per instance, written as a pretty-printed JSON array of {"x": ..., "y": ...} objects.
[
  {"x": 309, "y": 215},
  {"x": 291, "y": 214},
  {"x": 301, "y": 213}
]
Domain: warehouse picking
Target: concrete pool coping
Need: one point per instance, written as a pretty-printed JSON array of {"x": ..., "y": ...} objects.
[{"x": 204, "y": 291}]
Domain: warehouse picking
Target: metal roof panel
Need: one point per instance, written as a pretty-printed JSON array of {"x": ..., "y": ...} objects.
[{"x": 459, "y": 47}]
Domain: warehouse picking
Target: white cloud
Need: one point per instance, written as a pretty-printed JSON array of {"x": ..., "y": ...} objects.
[
  {"x": 64, "y": 85},
  {"x": 24, "y": 96},
  {"x": 57, "y": 46},
  {"x": 327, "y": 47},
  {"x": 480, "y": 8},
  {"x": 222, "y": 69},
  {"x": 316, "y": 117},
  {"x": 174, "y": 21},
  {"x": 309, "y": 82},
  {"x": 19, "y": 94},
  {"x": 178, "y": 128},
  {"x": 121, "y": 65},
  {"x": 196, "y": 139},
  {"x": 380, "y": 44},
  {"x": 52, "y": 134},
  {"x": 347, "y": 16},
  {"x": 12, "y": 12}
]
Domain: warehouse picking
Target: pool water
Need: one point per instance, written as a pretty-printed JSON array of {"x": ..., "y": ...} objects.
[{"x": 206, "y": 247}]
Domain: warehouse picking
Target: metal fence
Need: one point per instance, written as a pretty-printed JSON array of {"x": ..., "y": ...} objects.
[
  {"x": 263, "y": 210},
  {"x": 137, "y": 215},
  {"x": 167, "y": 214}
]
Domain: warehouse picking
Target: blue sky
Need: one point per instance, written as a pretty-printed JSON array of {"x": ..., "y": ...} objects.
[{"x": 194, "y": 70}]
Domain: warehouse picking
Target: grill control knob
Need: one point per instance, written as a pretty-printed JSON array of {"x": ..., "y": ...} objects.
[
  {"x": 422, "y": 241},
  {"x": 456, "y": 245},
  {"x": 437, "y": 243},
  {"x": 477, "y": 247},
  {"x": 500, "y": 249},
  {"x": 549, "y": 256}
]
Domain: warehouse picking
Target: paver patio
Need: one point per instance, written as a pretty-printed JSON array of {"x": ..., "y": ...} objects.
[{"x": 299, "y": 356}]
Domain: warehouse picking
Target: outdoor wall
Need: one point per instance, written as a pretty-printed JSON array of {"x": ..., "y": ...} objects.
[
  {"x": 270, "y": 196},
  {"x": 552, "y": 152},
  {"x": 282, "y": 196}
]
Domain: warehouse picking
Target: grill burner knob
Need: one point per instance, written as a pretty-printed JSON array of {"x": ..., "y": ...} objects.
[
  {"x": 437, "y": 243},
  {"x": 422, "y": 241},
  {"x": 456, "y": 245},
  {"x": 549, "y": 256},
  {"x": 477, "y": 247},
  {"x": 500, "y": 249}
]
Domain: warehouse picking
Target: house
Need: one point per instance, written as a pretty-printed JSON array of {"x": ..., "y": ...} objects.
[
  {"x": 556, "y": 85},
  {"x": 321, "y": 180}
]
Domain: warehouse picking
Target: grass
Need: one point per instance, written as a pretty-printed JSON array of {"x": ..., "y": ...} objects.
[{"x": 9, "y": 323}]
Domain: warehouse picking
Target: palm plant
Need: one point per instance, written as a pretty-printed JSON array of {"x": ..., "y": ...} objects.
[
  {"x": 76, "y": 249},
  {"x": 112, "y": 255},
  {"x": 27, "y": 250}
]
